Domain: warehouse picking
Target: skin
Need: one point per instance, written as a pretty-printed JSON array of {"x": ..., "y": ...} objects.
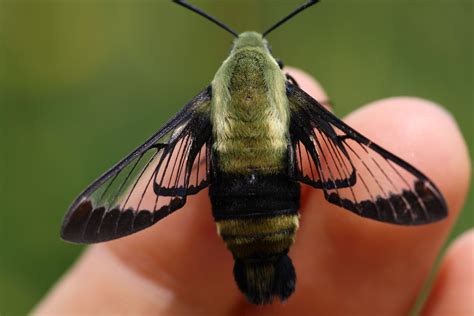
[{"x": 345, "y": 264}]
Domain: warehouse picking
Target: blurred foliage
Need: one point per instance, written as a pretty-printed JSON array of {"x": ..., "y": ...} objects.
[{"x": 83, "y": 82}]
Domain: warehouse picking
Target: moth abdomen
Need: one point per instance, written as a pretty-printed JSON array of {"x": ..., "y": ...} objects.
[{"x": 257, "y": 217}]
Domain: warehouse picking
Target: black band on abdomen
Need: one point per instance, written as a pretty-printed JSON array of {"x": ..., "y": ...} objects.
[{"x": 254, "y": 195}]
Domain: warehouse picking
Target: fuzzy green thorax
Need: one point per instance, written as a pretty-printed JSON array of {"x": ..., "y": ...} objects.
[{"x": 249, "y": 109}]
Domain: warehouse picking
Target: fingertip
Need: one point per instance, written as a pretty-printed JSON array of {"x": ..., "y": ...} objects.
[
  {"x": 464, "y": 246},
  {"x": 454, "y": 285}
]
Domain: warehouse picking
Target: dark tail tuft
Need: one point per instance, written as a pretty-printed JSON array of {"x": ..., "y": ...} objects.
[
  {"x": 260, "y": 280},
  {"x": 285, "y": 278}
]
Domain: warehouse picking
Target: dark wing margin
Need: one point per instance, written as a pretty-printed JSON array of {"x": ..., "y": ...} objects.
[
  {"x": 150, "y": 183},
  {"x": 355, "y": 173}
]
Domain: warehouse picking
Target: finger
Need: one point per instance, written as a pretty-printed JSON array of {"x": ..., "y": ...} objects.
[
  {"x": 101, "y": 284},
  {"x": 350, "y": 265},
  {"x": 452, "y": 293}
]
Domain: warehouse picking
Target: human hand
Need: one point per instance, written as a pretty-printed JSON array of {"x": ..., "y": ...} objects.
[{"x": 345, "y": 264}]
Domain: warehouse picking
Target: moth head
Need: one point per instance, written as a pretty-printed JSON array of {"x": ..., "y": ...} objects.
[{"x": 250, "y": 40}]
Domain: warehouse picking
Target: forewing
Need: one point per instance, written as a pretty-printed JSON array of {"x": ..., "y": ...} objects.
[
  {"x": 150, "y": 183},
  {"x": 355, "y": 173}
]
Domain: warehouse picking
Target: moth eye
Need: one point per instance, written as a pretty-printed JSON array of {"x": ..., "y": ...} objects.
[{"x": 281, "y": 65}]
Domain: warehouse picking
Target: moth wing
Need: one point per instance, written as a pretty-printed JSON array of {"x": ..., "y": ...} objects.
[
  {"x": 150, "y": 183},
  {"x": 354, "y": 172}
]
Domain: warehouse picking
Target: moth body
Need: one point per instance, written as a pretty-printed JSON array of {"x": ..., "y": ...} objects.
[{"x": 254, "y": 202}]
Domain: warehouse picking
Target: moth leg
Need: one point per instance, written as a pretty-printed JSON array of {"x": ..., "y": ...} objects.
[{"x": 292, "y": 80}]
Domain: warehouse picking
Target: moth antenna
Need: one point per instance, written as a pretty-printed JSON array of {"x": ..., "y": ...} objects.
[
  {"x": 289, "y": 16},
  {"x": 207, "y": 16}
]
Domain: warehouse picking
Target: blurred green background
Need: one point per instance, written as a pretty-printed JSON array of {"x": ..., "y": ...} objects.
[{"x": 84, "y": 82}]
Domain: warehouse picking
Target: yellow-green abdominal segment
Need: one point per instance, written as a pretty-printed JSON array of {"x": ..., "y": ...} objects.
[{"x": 261, "y": 236}]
